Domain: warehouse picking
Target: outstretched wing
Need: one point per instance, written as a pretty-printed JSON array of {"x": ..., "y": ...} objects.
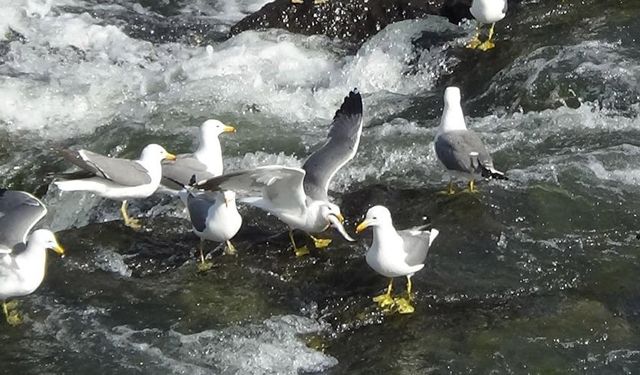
[
  {"x": 280, "y": 186},
  {"x": 340, "y": 147},
  {"x": 19, "y": 213},
  {"x": 121, "y": 171}
]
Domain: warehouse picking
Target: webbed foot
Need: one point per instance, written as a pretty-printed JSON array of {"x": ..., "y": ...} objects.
[
  {"x": 204, "y": 266},
  {"x": 384, "y": 300},
  {"x": 321, "y": 243},
  {"x": 404, "y": 306},
  {"x": 301, "y": 251},
  {"x": 487, "y": 45},
  {"x": 230, "y": 249},
  {"x": 132, "y": 223}
]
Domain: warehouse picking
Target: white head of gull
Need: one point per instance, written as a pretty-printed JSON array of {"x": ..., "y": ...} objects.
[{"x": 204, "y": 163}]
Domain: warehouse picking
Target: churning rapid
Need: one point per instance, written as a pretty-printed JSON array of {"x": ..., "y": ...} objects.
[{"x": 539, "y": 273}]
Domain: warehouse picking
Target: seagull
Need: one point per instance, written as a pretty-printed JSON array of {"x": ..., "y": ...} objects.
[
  {"x": 485, "y": 12},
  {"x": 114, "y": 178},
  {"x": 461, "y": 150},
  {"x": 299, "y": 196},
  {"x": 214, "y": 217},
  {"x": 22, "y": 257},
  {"x": 206, "y": 162},
  {"x": 394, "y": 254}
]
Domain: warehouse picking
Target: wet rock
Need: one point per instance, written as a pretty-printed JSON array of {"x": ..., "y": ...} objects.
[{"x": 352, "y": 20}]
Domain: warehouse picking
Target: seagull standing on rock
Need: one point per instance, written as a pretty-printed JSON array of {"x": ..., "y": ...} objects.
[
  {"x": 486, "y": 12},
  {"x": 214, "y": 217},
  {"x": 395, "y": 254},
  {"x": 118, "y": 179},
  {"x": 460, "y": 150}
]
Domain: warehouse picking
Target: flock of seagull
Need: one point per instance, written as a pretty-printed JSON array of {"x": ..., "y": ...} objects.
[{"x": 299, "y": 197}]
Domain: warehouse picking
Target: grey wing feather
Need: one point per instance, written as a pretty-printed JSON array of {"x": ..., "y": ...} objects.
[
  {"x": 340, "y": 147},
  {"x": 416, "y": 246},
  {"x": 454, "y": 149},
  {"x": 504, "y": 10},
  {"x": 182, "y": 170},
  {"x": 198, "y": 207},
  {"x": 121, "y": 171},
  {"x": 280, "y": 185},
  {"x": 19, "y": 213}
]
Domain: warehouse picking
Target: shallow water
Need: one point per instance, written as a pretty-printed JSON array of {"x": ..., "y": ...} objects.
[{"x": 537, "y": 274}]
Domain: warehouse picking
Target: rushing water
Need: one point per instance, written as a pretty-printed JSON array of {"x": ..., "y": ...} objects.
[{"x": 538, "y": 274}]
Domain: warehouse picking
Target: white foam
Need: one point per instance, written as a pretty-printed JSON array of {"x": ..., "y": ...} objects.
[{"x": 270, "y": 347}]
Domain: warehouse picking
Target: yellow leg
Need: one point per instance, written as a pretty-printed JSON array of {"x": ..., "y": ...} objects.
[
  {"x": 488, "y": 44},
  {"x": 300, "y": 251},
  {"x": 450, "y": 189},
  {"x": 12, "y": 316},
  {"x": 472, "y": 186},
  {"x": 475, "y": 41},
  {"x": 230, "y": 250},
  {"x": 385, "y": 300},
  {"x": 203, "y": 265},
  {"x": 128, "y": 221},
  {"x": 297, "y": 1},
  {"x": 318, "y": 2},
  {"x": 404, "y": 304},
  {"x": 320, "y": 243}
]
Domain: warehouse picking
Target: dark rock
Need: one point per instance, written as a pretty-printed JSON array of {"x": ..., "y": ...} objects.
[{"x": 351, "y": 20}]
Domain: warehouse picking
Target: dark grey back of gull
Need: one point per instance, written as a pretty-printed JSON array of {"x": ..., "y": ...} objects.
[
  {"x": 340, "y": 147},
  {"x": 121, "y": 171},
  {"x": 19, "y": 213},
  {"x": 454, "y": 151}
]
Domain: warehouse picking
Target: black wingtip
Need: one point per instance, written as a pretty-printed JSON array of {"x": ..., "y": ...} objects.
[
  {"x": 352, "y": 104},
  {"x": 494, "y": 174}
]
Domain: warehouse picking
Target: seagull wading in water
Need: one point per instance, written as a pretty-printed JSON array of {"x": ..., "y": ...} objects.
[
  {"x": 299, "y": 196},
  {"x": 485, "y": 12},
  {"x": 460, "y": 150},
  {"x": 22, "y": 256},
  {"x": 395, "y": 254},
  {"x": 114, "y": 178},
  {"x": 205, "y": 162}
]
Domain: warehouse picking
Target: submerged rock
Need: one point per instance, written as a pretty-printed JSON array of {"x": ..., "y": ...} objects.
[{"x": 352, "y": 20}]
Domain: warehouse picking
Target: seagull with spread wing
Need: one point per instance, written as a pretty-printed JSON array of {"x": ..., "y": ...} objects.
[
  {"x": 22, "y": 256},
  {"x": 299, "y": 196},
  {"x": 114, "y": 178}
]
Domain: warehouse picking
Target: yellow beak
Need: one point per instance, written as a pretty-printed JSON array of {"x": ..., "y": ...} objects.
[
  {"x": 340, "y": 218},
  {"x": 170, "y": 156},
  {"x": 229, "y": 129},
  {"x": 58, "y": 249},
  {"x": 362, "y": 226}
]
